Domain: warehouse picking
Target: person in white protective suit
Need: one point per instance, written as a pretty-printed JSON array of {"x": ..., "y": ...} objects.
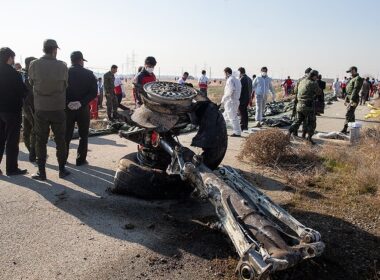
[
  {"x": 262, "y": 86},
  {"x": 336, "y": 87},
  {"x": 231, "y": 102}
]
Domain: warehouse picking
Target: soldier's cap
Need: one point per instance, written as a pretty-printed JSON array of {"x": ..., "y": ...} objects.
[
  {"x": 352, "y": 68},
  {"x": 308, "y": 70},
  {"x": 50, "y": 43},
  {"x": 77, "y": 55}
]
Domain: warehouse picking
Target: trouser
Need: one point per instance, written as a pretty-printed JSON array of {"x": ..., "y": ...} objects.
[
  {"x": 28, "y": 131},
  {"x": 82, "y": 118},
  {"x": 112, "y": 104},
  {"x": 261, "y": 101},
  {"x": 350, "y": 114},
  {"x": 100, "y": 100},
  {"x": 203, "y": 91},
  {"x": 56, "y": 120},
  {"x": 10, "y": 126},
  {"x": 308, "y": 119},
  {"x": 231, "y": 115},
  {"x": 243, "y": 109},
  {"x": 364, "y": 98}
]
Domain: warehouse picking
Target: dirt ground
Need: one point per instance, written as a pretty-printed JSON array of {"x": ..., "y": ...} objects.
[{"x": 75, "y": 229}]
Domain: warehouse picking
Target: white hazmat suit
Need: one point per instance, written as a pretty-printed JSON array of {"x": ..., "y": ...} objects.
[{"x": 231, "y": 103}]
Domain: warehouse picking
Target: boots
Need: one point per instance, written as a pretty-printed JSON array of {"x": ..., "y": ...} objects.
[
  {"x": 304, "y": 134},
  {"x": 310, "y": 140},
  {"x": 63, "y": 172},
  {"x": 41, "y": 173},
  {"x": 344, "y": 130}
]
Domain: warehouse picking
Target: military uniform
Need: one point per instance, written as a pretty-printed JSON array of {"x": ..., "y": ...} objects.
[
  {"x": 111, "y": 99},
  {"x": 352, "y": 98},
  {"x": 306, "y": 92},
  {"x": 49, "y": 78},
  {"x": 28, "y": 115}
]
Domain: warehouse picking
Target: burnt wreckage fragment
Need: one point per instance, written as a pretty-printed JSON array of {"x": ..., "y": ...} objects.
[{"x": 266, "y": 237}]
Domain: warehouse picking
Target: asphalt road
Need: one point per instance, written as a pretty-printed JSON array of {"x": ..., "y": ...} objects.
[{"x": 75, "y": 229}]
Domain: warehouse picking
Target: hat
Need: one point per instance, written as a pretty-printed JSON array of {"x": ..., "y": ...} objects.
[
  {"x": 75, "y": 56},
  {"x": 308, "y": 70},
  {"x": 352, "y": 68},
  {"x": 50, "y": 43},
  {"x": 150, "y": 119}
]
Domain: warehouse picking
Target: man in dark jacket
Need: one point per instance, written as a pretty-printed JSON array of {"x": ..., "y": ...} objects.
[
  {"x": 320, "y": 99},
  {"x": 28, "y": 115},
  {"x": 246, "y": 90},
  {"x": 82, "y": 88},
  {"x": 12, "y": 92},
  {"x": 144, "y": 77}
]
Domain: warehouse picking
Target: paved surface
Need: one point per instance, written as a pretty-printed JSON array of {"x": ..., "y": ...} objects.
[{"x": 74, "y": 229}]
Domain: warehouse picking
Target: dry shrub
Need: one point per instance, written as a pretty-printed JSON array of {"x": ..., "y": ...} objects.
[{"x": 265, "y": 146}]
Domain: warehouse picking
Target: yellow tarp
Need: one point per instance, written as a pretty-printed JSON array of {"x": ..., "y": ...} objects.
[{"x": 374, "y": 113}]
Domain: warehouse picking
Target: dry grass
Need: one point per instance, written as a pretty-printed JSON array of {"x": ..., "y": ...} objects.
[
  {"x": 354, "y": 170},
  {"x": 348, "y": 170}
]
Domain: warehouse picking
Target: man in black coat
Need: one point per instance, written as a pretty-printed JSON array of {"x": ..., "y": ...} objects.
[
  {"x": 12, "y": 92},
  {"x": 245, "y": 96},
  {"x": 82, "y": 88}
]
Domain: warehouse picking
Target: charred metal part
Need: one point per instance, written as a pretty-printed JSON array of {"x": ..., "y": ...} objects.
[
  {"x": 250, "y": 219},
  {"x": 244, "y": 212},
  {"x": 168, "y": 92}
]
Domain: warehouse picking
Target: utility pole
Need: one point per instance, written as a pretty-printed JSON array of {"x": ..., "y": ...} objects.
[{"x": 133, "y": 62}]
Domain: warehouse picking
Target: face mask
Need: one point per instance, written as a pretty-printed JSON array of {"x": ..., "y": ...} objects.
[
  {"x": 263, "y": 74},
  {"x": 149, "y": 69}
]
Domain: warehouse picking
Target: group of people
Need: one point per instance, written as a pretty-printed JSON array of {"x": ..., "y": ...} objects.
[
  {"x": 237, "y": 97},
  {"x": 368, "y": 89},
  {"x": 50, "y": 97}
]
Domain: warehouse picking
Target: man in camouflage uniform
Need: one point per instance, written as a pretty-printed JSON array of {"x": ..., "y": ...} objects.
[
  {"x": 49, "y": 78},
  {"x": 111, "y": 99},
  {"x": 28, "y": 115},
  {"x": 306, "y": 92},
  {"x": 352, "y": 98},
  {"x": 294, "y": 114}
]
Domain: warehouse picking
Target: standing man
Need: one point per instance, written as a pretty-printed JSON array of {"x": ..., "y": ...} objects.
[
  {"x": 320, "y": 99},
  {"x": 182, "y": 81},
  {"x": 12, "y": 92},
  {"x": 100, "y": 93},
  {"x": 246, "y": 89},
  {"x": 203, "y": 83},
  {"x": 352, "y": 99},
  {"x": 49, "y": 76},
  {"x": 231, "y": 102},
  {"x": 262, "y": 86},
  {"x": 82, "y": 88},
  {"x": 365, "y": 91},
  {"x": 306, "y": 91},
  {"x": 28, "y": 113},
  {"x": 288, "y": 86},
  {"x": 111, "y": 99},
  {"x": 344, "y": 85},
  {"x": 144, "y": 77},
  {"x": 336, "y": 88}
]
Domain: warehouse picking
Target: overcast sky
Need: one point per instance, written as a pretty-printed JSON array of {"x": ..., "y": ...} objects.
[{"x": 287, "y": 36}]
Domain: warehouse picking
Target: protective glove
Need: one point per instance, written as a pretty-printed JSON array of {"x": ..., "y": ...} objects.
[{"x": 354, "y": 104}]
